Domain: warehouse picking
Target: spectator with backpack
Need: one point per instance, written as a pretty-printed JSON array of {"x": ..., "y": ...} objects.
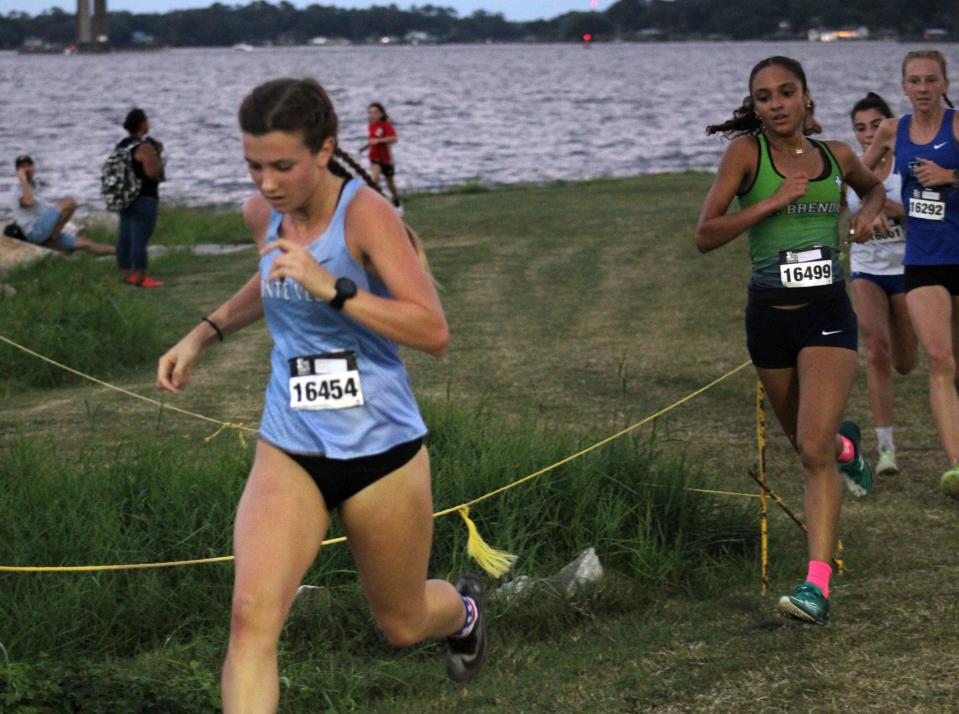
[
  {"x": 130, "y": 184},
  {"x": 41, "y": 221}
]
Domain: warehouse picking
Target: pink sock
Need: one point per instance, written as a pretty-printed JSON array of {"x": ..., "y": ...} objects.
[
  {"x": 818, "y": 574},
  {"x": 848, "y": 450}
]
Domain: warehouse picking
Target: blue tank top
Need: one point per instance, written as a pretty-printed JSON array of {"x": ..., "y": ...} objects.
[
  {"x": 303, "y": 327},
  {"x": 932, "y": 214}
]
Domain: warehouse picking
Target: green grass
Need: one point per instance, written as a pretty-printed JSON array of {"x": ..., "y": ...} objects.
[
  {"x": 179, "y": 225},
  {"x": 575, "y": 310},
  {"x": 158, "y": 500},
  {"x": 78, "y": 313}
]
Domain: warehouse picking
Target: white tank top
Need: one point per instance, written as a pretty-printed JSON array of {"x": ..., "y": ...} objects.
[{"x": 883, "y": 254}]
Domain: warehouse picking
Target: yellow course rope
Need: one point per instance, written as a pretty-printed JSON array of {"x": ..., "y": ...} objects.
[
  {"x": 240, "y": 428},
  {"x": 598, "y": 444},
  {"x": 494, "y": 561}
]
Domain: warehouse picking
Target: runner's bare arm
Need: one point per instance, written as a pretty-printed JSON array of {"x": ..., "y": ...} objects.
[
  {"x": 242, "y": 309},
  {"x": 413, "y": 316},
  {"x": 884, "y": 142},
  {"x": 866, "y": 185},
  {"x": 735, "y": 173}
]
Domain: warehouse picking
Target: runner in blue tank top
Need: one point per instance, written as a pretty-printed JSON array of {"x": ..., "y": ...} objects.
[
  {"x": 341, "y": 284},
  {"x": 926, "y": 149}
]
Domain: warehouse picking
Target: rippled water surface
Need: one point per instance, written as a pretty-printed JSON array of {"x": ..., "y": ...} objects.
[{"x": 499, "y": 114}]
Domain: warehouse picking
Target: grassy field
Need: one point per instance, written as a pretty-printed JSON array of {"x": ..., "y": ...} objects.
[{"x": 575, "y": 310}]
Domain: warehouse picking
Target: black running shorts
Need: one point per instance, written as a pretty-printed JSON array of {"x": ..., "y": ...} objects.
[
  {"x": 775, "y": 336},
  {"x": 920, "y": 276},
  {"x": 339, "y": 479},
  {"x": 387, "y": 169}
]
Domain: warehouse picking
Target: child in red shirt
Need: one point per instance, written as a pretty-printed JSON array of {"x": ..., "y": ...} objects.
[{"x": 381, "y": 135}]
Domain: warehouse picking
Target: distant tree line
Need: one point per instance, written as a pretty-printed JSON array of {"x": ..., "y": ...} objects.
[
  {"x": 261, "y": 22},
  {"x": 755, "y": 19}
]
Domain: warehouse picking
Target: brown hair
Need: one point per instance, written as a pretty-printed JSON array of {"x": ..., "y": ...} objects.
[
  {"x": 745, "y": 121},
  {"x": 934, "y": 55},
  {"x": 302, "y": 105},
  {"x": 871, "y": 101},
  {"x": 382, "y": 110}
]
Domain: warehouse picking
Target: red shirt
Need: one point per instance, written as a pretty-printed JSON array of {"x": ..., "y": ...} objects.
[{"x": 381, "y": 152}]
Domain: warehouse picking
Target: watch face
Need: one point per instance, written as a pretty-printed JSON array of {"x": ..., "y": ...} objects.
[{"x": 345, "y": 288}]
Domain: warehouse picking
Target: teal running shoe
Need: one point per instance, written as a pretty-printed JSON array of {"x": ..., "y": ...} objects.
[
  {"x": 807, "y": 604},
  {"x": 856, "y": 473}
]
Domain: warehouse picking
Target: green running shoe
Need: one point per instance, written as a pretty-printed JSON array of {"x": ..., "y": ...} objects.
[
  {"x": 856, "y": 473},
  {"x": 807, "y": 604},
  {"x": 950, "y": 482},
  {"x": 886, "y": 466}
]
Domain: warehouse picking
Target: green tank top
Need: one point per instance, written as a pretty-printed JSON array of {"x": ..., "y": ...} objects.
[{"x": 795, "y": 252}]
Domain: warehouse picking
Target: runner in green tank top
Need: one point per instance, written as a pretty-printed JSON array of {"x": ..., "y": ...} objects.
[
  {"x": 801, "y": 330},
  {"x": 810, "y": 220}
]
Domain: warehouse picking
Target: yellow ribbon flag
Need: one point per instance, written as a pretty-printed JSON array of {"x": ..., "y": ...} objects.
[{"x": 495, "y": 562}]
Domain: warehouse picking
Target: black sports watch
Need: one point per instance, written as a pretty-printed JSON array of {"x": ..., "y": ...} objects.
[{"x": 345, "y": 289}]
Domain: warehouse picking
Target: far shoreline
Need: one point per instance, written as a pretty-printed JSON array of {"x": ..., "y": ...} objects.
[{"x": 95, "y": 215}]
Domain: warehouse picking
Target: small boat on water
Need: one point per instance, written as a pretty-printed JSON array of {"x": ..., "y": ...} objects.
[{"x": 243, "y": 47}]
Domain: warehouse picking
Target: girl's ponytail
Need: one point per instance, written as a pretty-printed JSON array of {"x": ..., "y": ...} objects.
[
  {"x": 336, "y": 168},
  {"x": 744, "y": 122}
]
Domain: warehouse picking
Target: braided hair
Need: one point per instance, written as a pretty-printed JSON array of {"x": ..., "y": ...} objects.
[
  {"x": 746, "y": 122},
  {"x": 302, "y": 105}
]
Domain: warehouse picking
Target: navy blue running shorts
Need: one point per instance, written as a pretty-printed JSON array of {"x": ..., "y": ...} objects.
[
  {"x": 890, "y": 284},
  {"x": 775, "y": 336}
]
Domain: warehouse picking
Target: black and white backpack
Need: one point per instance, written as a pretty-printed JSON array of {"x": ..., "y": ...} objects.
[{"x": 119, "y": 184}]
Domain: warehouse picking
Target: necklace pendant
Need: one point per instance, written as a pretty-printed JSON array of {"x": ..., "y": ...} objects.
[{"x": 799, "y": 150}]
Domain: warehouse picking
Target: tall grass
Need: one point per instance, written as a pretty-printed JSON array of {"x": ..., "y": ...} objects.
[
  {"x": 164, "y": 500},
  {"x": 182, "y": 225},
  {"x": 77, "y": 312}
]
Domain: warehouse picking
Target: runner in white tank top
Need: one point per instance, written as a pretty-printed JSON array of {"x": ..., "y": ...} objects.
[{"x": 878, "y": 288}]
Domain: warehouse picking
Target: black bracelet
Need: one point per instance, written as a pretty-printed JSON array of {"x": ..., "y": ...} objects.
[{"x": 219, "y": 332}]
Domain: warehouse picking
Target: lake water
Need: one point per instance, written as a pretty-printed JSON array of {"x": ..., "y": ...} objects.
[{"x": 496, "y": 114}]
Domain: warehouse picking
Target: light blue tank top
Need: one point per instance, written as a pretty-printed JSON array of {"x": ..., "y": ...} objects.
[
  {"x": 302, "y": 326},
  {"x": 932, "y": 214}
]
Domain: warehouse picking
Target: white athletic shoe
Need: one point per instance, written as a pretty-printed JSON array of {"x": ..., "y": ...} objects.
[{"x": 886, "y": 465}]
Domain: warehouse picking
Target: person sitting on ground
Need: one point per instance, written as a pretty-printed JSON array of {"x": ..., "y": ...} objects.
[{"x": 42, "y": 222}]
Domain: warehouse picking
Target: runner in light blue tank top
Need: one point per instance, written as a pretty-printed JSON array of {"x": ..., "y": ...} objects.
[
  {"x": 341, "y": 282},
  {"x": 303, "y": 326}
]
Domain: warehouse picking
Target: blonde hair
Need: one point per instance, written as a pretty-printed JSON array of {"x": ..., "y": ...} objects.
[{"x": 935, "y": 56}]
